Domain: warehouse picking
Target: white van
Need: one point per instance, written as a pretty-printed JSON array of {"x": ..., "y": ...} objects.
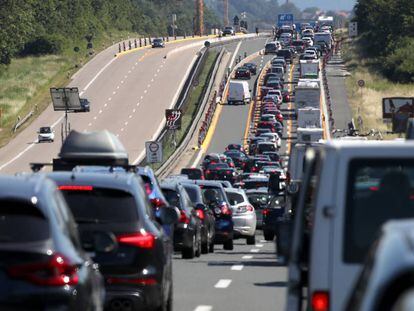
[
  {"x": 349, "y": 189},
  {"x": 239, "y": 93}
]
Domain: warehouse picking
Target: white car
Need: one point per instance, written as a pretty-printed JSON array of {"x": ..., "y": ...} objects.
[
  {"x": 308, "y": 41},
  {"x": 46, "y": 133},
  {"x": 274, "y": 137}
]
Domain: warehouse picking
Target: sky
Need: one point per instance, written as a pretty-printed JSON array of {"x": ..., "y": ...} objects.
[{"x": 324, "y": 4}]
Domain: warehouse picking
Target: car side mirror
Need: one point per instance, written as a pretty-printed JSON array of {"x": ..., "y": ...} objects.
[
  {"x": 104, "y": 242},
  {"x": 169, "y": 215}
]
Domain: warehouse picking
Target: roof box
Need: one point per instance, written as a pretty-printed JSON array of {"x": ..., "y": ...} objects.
[{"x": 99, "y": 148}]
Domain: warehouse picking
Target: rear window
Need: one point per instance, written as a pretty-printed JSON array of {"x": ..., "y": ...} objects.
[
  {"x": 258, "y": 200},
  {"x": 172, "y": 197},
  {"x": 192, "y": 193},
  {"x": 377, "y": 192},
  {"x": 255, "y": 184},
  {"x": 192, "y": 174},
  {"x": 102, "y": 205},
  {"x": 212, "y": 194},
  {"x": 22, "y": 222},
  {"x": 235, "y": 198},
  {"x": 266, "y": 147}
]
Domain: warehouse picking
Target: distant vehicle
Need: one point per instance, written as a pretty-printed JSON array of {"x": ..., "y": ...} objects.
[
  {"x": 239, "y": 158},
  {"x": 325, "y": 37},
  {"x": 371, "y": 185},
  {"x": 244, "y": 216},
  {"x": 271, "y": 48},
  {"x": 229, "y": 31},
  {"x": 41, "y": 255},
  {"x": 239, "y": 93},
  {"x": 46, "y": 133},
  {"x": 386, "y": 282},
  {"x": 237, "y": 147},
  {"x": 158, "y": 43},
  {"x": 85, "y": 105},
  {"x": 193, "y": 173},
  {"x": 271, "y": 215},
  {"x": 287, "y": 54},
  {"x": 299, "y": 45},
  {"x": 252, "y": 67},
  {"x": 243, "y": 73},
  {"x": 308, "y": 41}
]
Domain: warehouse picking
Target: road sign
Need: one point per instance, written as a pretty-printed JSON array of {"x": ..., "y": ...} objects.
[
  {"x": 392, "y": 106},
  {"x": 353, "y": 29},
  {"x": 361, "y": 83},
  {"x": 173, "y": 117},
  {"x": 284, "y": 19},
  {"x": 65, "y": 99},
  {"x": 153, "y": 151}
]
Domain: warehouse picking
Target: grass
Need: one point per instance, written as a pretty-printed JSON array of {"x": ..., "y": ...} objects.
[
  {"x": 25, "y": 83},
  {"x": 190, "y": 107},
  {"x": 367, "y": 103}
]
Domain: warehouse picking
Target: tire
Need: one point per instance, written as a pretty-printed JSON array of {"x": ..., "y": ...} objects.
[
  {"x": 228, "y": 245},
  {"x": 168, "y": 306},
  {"x": 188, "y": 252},
  {"x": 251, "y": 240},
  {"x": 211, "y": 247},
  {"x": 268, "y": 235}
]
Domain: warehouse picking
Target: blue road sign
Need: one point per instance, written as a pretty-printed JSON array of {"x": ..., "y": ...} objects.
[{"x": 284, "y": 19}]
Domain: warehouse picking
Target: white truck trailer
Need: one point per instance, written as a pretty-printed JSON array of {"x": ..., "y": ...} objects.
[
  {"x": 309, "y": 69},
  {"x": 309, "y": 135},
  {"x": 309, "y": 117},
  {"x": 307, "y": 94}
]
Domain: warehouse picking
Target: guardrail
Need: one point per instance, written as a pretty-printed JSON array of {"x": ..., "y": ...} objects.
[{"x": 20, "y": 122}]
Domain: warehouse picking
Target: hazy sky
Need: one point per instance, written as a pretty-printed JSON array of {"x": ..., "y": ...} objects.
[{"x": 324, "y": 4}]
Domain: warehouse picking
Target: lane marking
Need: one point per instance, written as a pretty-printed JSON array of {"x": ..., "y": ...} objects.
[
  {"x": 100, "y": 111},
  {"x": 237, "y": 267},
  {"x": 247, "y": 257},
  {"x": 259, "y": 245},
  {"x": 105, "y": 105},
  {"x": 110, "y": 98},
  {"x": 223, "y": 283},
  {"x": 255, "y": 250},
  {"x": 133, "y": 110},
  {"x": 203, "y": 308}
]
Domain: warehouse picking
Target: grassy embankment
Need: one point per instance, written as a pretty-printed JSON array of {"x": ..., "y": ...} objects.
[
  {"x": 25, "y": 83},
  {"x": 368, "y": 101}
]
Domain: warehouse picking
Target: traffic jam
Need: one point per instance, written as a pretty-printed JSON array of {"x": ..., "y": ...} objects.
[{"x": 91, "y": 231}]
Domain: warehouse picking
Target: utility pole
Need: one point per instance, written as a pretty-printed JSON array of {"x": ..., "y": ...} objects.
[
  {"x": 174, "y": 19},
  {"x": 199, "y": 23},
  {"x": 226, "y": 12}
]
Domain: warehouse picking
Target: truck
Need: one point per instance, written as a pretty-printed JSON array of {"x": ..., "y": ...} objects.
[
  {"x": 239, "y": 93},
  {"x": 309, "y": 117},
  {"x": 309, "y": 69},
  {"x": 309, "y": 134},
  {"x": 307, "y": 94}
]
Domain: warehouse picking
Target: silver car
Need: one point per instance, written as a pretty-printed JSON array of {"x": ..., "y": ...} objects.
[{"x": 244, "y": 215}]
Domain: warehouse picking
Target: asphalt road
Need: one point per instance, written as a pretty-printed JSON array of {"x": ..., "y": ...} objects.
[
  {"x": 249, "y": 277},
  {"x": 128, "y": 95}
]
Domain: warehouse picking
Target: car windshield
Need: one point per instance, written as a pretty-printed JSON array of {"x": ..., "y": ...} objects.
[
  {"x": 102, "y": 205},
  {"x": 378, "y": 190},
  {"x": 234, "y": 198},
  {"x": 45, "y": 130},
  {"x": 21, "y": 222},
  {"x": 192, "y": 173},
  {"x": 259, "y": 200},
  {"x": 212, "y": 195}
]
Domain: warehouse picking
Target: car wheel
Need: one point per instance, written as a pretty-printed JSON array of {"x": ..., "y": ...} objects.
[
  {"x": 251, "y": 240},
  {"x": 188, "y": 252},
  {"x": 211, "y": 247},
  {"x": 268, "y": 235},
  {"x": 228, "y": 245},
  {"x": 204, "y": 246}
]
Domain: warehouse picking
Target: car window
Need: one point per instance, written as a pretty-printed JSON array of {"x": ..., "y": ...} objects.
[
  {"x": 235, "y": 198},
  {"x": 101, "y": 205},
  {"x": 192, "y": 193},
  {"x": 212, "y": 195},
  {"x": 379, "y": 191},
  {"x": 22, "y": 222},
  {"x": 259, "y": 200},
  {"x": 172, "y": 197}
]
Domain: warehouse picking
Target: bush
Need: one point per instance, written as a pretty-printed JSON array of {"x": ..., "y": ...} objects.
[
  {"x": 49, "y": 44},
  {"x": 399, "y": 64}
]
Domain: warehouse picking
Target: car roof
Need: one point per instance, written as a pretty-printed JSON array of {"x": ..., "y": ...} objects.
[{"x": 25, "y": 186}]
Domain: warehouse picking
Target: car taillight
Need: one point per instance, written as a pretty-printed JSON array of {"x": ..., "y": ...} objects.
[
  {"x": 225, "y": 210},
  {"x": 200, "y": 214},
  {"x": 320, "y": 301},
  {"x": 265, "y": 212},
  {"x": 57, "y": 271},
  {"x": 208, "y": 172},
  {"x": 148, "y": 189},
  {"x": 139, "y": 239},
  {"x": 156, "y": 202},
  {"x": 249, "y": 208},
  {"x": 75, "y": 188},
  {"x": 183, "y": 218}
]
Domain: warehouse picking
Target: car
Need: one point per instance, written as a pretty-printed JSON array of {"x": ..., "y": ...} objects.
[
  {"x": 85, "y": 105},
  {"x": 117, "y": 203},
  {"x": 212, "y": 168},
  {"x": 287, "y": 54},
  {"x": 243, "y": 73},
  {"x": 256, "y": 183},
  {"x": 193, "y": 172},
  {"x": 273, "y": 156},
  {"x": 43, "y": 265},
  {"x": 211, "y": 158},
  {"x": 206, "y": 216},
  {"x": 237, "y": 147},
  {"x": 158, "y": 43},
  {"x": 187, "y": 232},
  {"x": 271, "y": 48},
  {"x": 275, "y": 139},
  {"x": 252, "y": 67},
  {"x": 46, "y": 133},
  {"x": 228, "y": 30},
  {"x": 272, "y": 214},
  {"x": 152, "y": 187},
  {"x": 260, "y": 199},
  {"x": 239, "y": 158},
  {"x": 215, "y": 198},
  {"x": 244, "y": 216},
  {"x": 227, "y": 174},
  {"x": 299, "y": 45},
  {"x": 239, "y": 93}
]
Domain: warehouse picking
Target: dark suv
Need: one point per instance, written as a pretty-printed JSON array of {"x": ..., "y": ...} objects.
[
  {"x": 287, "y": 54},
  {"x": 137, "y": 270},
  {"x": 42, "y": 263}
]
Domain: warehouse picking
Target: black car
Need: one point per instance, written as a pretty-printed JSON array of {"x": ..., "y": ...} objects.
[
  {"x": 138, "y": 269},
  {"x": 215, "y": 198},
  {"x": 252, "y": 67},
  {"x": 287, "y": 54},
  {"x": 206, "y": 216},
  {"x": 193, "y": 173},
  {"x": 243, "y": 73},
  {"x": 274, "y": 156},
  {"x": 272, "y": 215},
  {"x": 42, "y": 263},
  {"x": 187, "y": 232},
  {"x": 158, "y": 43},
  {"x": 211, "y": 158},
  {"x": 260, "y": 199},
  {"x": 240, "y": 159}
]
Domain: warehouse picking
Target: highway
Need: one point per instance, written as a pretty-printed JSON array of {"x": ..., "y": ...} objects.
[{"x": 128, "y": 95}]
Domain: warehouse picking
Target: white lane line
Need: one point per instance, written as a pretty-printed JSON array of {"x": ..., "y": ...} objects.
[
  {"x": 137, "y": 104},
  {"x": 237, "y": 267},
  {"x": 100, "y": 111},
  {"x": 203, "y": 308},
  {"x": 247, "y": 257},
  {"x": 136, "y": 64},
  {"x": 145, "y": 91},
  {"x": 133, "y": 110},
  {"x": 122, "y": 129},
  {"x": 142, "y": 97},
  {"x": 90, "y": 124},
  {"x": 235, "y": 53},
  {"x": 117, "y": 87},
  {"x": 130, "y": 116},
  {"x": 95, "y": 118},
  {"x": 126, "y": 123},
  {"x": 255, "y": 250},
  {"x": 149, "y": 85},
  {"x": 110, "y": 98},
  {"x": 122, "y": 82},
  {"x": 113, "y": 92},
  {"x": 259, "y": 245},
  {"x": 129, "y": 71},
  {"x": 152, "y": 80},
  {"x": 158, "y": 70},
  {"x": 223, "y": 283},
  {"x": 105, "y": 105}
]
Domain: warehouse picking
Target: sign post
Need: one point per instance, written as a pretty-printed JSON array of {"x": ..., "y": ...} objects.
[
  {"x": 353, "y": 29},
  {"x": 173, "y": 122},
  {"x": 284, "y": 19},
  {"x": 153, "y": 151}
]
